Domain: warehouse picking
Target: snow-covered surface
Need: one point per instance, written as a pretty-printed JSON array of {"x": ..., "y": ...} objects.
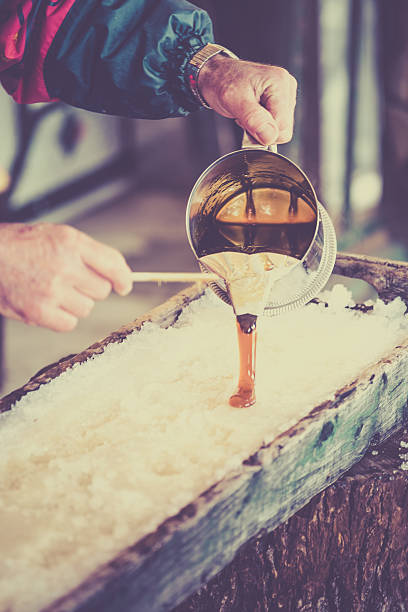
[{"x": 99, "y": 457}]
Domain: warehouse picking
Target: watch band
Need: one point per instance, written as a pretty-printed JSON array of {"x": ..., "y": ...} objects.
[{"x": 197, "y": 62}]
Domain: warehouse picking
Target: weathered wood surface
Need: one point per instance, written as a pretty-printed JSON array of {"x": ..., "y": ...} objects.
[
  {"x": 389, "y": 278},
  {"x": 346, "y": 550},
  {"x": 166, "y": 566}
]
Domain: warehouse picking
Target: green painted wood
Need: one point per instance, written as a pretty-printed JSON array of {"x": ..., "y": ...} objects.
[{"x": 345, "y": 550}]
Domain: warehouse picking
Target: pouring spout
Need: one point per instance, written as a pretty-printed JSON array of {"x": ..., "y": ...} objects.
[
  {"x": 248, "y": 278},
  {"x": 249, "y": 294},
  {"x": 247, "y": 322}
]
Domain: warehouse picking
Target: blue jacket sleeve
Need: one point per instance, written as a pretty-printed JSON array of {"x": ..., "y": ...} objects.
[{"x": 127, "y": 57}]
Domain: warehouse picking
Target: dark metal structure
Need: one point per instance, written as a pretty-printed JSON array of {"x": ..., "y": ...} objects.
[{"x": 28, "y": 121}]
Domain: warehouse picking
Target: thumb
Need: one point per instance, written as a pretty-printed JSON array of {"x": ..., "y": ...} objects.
[{"x": 259, "y": 123}]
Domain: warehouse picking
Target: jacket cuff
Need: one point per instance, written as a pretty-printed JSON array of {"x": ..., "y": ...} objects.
[
  {"x": 187, "y": 33},
  {"x": 186, "y": 74}
]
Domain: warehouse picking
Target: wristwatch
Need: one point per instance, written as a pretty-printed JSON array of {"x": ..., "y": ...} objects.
[{"x": 197, "y": 62}]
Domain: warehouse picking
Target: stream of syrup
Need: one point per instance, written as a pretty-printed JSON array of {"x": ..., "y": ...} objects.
[
  {"x": 244, "y": 396},
  {"x": 257, "y": 220}
]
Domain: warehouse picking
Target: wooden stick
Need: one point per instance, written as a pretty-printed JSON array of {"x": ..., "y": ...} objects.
[{"x": 173, "y": 277}]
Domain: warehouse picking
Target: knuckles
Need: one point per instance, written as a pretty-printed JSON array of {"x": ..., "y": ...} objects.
[
  {"x": 119, "y": 261},
  {"x": 104, "y": 290},
  {"x": 283, "y": 82},
  {"x": 293, "y": 82},
  {"x": 45, "y": 314},
  {"x": 285, "y": 135},
  {"x": 67, "y": 325},
  {"x": 67, "y": 237},
  {"x": 62, "y": 324},
  {"x": 86, "y": 309},
  {"x": 36, "y": 312},
  {"x": 229, "y": 93},
  {"x": 281, "y": 75}
]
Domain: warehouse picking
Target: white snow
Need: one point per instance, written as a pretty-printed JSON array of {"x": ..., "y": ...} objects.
[{"x": 99, "y": 457}]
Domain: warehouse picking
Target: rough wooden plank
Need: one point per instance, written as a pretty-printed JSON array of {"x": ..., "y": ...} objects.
[
  {"x": 345, "y": 550},
  {"x": 186, "y": 550},
  {"x": 389, "y": 278}
]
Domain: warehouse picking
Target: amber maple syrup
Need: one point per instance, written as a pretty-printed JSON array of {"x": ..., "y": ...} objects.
[
  {"x": 258, "y": 220},
  {"x": 267, "y": 220},
  {"x": 244, "y": 396}
]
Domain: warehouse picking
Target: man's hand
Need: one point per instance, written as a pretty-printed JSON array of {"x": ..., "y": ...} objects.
[
  {"x": 51, "y": 275},
  {"x": 260, "y": 98}
]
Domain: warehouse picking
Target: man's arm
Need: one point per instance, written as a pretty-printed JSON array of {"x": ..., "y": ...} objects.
[
  {"x": 124, "y": 57},
  {"x": 131, "y": 58},
  {"x": 127, "y": 58}
]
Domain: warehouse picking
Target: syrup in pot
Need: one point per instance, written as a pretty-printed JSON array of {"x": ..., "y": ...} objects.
[{"x": 266, "y": 220}]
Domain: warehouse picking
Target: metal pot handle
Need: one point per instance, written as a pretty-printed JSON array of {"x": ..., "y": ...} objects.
[{"x": 248, "y": 142}]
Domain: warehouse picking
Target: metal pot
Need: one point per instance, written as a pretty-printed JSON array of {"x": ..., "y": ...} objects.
[{"x": 253, "y": 218}]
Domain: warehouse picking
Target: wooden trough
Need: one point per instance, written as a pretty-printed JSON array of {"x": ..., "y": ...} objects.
[{"x": 187, "y": 550}]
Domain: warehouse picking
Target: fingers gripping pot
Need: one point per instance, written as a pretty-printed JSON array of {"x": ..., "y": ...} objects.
[{"x": 253, "y": 219}]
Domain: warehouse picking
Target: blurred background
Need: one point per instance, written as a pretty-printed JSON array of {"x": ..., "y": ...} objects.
[{"x": 126, "y": 182}]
